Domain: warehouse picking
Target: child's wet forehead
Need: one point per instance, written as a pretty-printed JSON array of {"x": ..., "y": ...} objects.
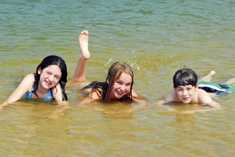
[
  {"x": 53, "y": 68},
  {"x": 124, "y": 77},
  {"x": 185, "y": 86}
]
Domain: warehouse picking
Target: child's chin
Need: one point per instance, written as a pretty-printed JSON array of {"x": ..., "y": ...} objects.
[
  {"x": 187, "y": 102},
  {"x": 118, "y": 96},
  {"x": 46, "y": 87}
]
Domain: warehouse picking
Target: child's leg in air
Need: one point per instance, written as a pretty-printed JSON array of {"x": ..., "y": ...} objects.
[
  {"x": 209, "y": 76},
  {"x": 79, "y": 73}
]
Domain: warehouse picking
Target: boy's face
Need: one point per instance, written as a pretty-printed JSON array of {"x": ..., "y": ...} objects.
[{"x": 185, "y": 94}]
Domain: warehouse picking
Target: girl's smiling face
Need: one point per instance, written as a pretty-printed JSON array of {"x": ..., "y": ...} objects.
[
  {"x": 49, "y": 76},
  {"x": 121, "y": 86}
]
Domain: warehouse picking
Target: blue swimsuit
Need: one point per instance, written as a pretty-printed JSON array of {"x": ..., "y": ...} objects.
[{"x": 48, "y": 97}]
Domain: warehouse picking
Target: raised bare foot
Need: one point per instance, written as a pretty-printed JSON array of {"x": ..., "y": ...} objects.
[
  {"x": 83, "y": 41},
  {"x": 212, "y": 72}
]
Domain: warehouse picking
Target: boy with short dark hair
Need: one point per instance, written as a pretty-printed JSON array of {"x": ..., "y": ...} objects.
[{"x": 186, "y": 90}]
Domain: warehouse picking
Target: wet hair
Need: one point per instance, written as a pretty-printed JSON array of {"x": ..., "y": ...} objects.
[
  {"x": 114, "y": 72},
  {"x": 184, "y": 77},
  {"x": 52, "y": 60}
]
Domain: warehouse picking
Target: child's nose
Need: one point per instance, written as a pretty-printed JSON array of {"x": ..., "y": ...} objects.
[
  {"x": 185, "y": 92},
  {"x": 123, "y": 87},
  {"x": 51, "y": 77}
]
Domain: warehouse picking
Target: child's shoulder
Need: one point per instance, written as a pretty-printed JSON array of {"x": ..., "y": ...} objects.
[
  {"x": 203, "y": 96},
  {"x": 202, "y": 92},
  {"x": 171, "y": 98},
  {"x": 206, "y": 99},
  {"x": 29, "y": 76},
  {"x": 28, "y": 80}
]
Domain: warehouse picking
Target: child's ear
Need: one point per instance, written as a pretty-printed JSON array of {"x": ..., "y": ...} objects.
[
  {"x": 39, "y": 71},
  {"x": 107, "y": 80}
]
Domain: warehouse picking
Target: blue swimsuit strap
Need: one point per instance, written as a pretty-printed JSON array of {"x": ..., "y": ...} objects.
[{"x": 48, "y": 96}]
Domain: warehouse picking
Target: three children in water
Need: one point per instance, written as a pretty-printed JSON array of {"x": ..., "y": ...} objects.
[{"x": 49, "y": 81}]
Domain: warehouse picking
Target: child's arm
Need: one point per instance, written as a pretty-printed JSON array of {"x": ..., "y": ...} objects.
[
  {"x": 25, "y": 85},
  {"x": 58, "y": 95},
  {"x": 205, "y": 99},
  {"x": 213, "y": 104},
  {"x": 167, "y": 100},
  {"x": 137, "y": 98},
  {"x": 93, "y": 96}
]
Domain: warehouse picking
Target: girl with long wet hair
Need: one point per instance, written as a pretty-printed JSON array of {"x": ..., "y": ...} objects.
[
  {"x": 118, "y": 85},
  {"x": 46, "y": 84}
]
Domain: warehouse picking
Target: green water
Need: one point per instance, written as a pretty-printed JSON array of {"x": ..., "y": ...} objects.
[{"x": 155, "y": 37}]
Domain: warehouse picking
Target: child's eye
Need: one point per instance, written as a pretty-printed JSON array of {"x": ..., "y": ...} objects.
[
  {"x": 119, "y": 82},
  {"x": 57, "y": 77},
  {"x": 49, "y": 73},
  {"x": 189, "y": 88},
  {"x": 180, "y": 90}
]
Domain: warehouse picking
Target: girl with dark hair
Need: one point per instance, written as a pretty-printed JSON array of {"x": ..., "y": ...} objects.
[
  {"x": 47, "y": 83},
  {"x": 118, "y": 85}
]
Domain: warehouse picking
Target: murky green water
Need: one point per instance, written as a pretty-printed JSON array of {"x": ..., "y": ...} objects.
[{"x": 156, "y": 37}]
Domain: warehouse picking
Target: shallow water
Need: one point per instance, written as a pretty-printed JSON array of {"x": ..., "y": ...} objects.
[{"x": 156, "y": 38}]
